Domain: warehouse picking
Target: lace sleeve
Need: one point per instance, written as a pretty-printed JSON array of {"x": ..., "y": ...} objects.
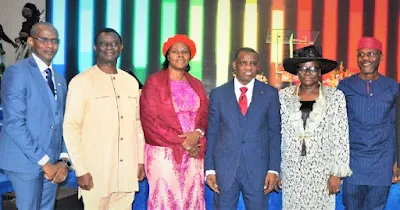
[{"x": 340, "y": 138}]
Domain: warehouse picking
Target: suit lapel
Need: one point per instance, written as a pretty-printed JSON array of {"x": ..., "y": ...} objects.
[
  {"x": 60, "y": 89},
  {"x": 255, "y": 101},
  {"x": 232, "y": 104},
  {"x": 38, "y": 81}
]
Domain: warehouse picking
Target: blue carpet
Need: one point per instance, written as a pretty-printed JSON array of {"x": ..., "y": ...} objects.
[{"x": 275, "y": 202}]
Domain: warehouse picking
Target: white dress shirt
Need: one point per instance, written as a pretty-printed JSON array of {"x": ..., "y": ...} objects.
[{"x": 42, "y": 68}]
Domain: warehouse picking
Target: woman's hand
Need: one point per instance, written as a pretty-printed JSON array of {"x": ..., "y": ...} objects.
[
  {"x": 194, "y": 152},
  {"x": 191, "y": 139},
  {"x": 333, "y": 184}
]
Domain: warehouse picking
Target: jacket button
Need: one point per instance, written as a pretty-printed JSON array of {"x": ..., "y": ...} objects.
[
  {"x": 51, "y": 127},
  {"x": 121, "y": 139},
  {"x": 121, "y": 160}
]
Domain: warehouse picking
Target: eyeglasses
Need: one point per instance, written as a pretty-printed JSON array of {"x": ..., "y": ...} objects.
[
  {"x": 45, "y": 40},
  {"x": 106, "y": 44},
  {"x": 312, "y": 69}
]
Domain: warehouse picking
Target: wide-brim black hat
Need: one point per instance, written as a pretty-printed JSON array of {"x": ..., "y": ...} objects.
[{"x": 306, "y": 54}]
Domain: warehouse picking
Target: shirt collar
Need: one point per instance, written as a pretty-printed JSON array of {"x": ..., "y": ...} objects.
[
  {"x": 41, "y": 65},
  {"x": 249, "y": 85}
]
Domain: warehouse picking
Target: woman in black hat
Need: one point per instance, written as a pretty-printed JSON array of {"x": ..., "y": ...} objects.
[{"x": 315, "y": 143}]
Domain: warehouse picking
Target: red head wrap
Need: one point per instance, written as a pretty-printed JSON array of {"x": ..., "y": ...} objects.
[
  {"x": 370, "y": 43},
  {"x": 180, "y": 38}
]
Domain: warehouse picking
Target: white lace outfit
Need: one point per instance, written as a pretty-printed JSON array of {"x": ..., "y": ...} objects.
[{"x": 305, "y": 178}]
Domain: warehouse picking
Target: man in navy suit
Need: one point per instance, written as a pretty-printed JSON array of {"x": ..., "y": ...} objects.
[
  {"x": 371, "y": 110},
  {"x": 32, "y": 150},
  {"x": 243, "y": 152}
]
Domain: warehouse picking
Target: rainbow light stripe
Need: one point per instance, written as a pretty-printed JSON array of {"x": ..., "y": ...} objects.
[
  {"x": 58, "y": 20},
  {"x": 113, "y": 18},
  {"x": 85, "y": 35},
  {"x": 140, "y": 39},
  {"x": 250, "y": 30},
  {"x": 223, "y": 41},
  {"x": 196, "y": 25},
  {"x": 168, "y": 23}
]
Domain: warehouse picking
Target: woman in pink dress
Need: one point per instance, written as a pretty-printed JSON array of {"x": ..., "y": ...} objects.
[{"x": 174, "y": 118}]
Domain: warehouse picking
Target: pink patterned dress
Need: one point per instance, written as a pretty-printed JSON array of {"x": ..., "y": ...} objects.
[{"x": 176, "y": 186}]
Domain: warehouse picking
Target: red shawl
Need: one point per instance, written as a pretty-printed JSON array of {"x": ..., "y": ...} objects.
[{"x": 159, "y": 120}]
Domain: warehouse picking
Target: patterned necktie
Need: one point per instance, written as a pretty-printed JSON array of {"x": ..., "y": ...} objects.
[
  {"x": 49, "y": 78},
  {"x": 243, "y": 100}
]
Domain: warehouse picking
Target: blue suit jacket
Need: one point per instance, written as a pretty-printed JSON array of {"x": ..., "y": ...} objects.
[
  {"x": 32, "y": 125},
  {"x": 255, "y": 137}
]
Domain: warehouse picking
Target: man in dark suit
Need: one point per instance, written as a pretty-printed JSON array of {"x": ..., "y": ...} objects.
[
  {"x": 243, "y": 152},
  {"x": 32, "y": 150}
]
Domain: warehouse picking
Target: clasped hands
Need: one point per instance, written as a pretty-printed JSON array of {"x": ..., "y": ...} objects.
[
  {"x": 271, "y": 183},
  {"x": 191, "y": 142},
  {"x": 396, "y": 173},
  {"x": 56, "y": 173}
]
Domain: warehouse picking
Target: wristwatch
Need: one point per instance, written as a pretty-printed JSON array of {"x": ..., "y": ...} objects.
[{"x": 66, "y": 163}]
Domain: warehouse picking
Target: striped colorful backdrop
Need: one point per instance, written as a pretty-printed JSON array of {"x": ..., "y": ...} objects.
[{"x": 219, "y": 28}]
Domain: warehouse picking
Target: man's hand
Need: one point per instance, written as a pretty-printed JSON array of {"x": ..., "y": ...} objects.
[
  {"x": 333, "y": 184},
  {"x": 49, "y": 170},
  {"x": 194, "y": 151},
  {"x": 191, "y": 139},
  {"x": 141, "y": 172},
  {"x": 61, "y": 174},
  {"x": 211, "y": 181},
  {"x": 396, "y": 174},
  {"x": 271, "y": 183},
  {"x": 85, "y": 181}
]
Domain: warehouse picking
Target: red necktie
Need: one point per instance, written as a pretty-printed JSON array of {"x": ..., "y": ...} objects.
[{"x": 243, "y": 100}]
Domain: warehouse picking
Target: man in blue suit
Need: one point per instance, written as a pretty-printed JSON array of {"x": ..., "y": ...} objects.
[
  {"x": 32, "y": 150},
  {"x": 243, "y": 152},
  {"x": 371, "y": 110}
]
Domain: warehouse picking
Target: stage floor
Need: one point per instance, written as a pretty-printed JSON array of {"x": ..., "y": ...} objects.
[{"x": 68, "y": 199}]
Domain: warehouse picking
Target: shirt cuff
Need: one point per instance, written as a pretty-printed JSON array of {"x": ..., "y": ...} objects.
[
  {"x": 64, "y": 155},
  {"x": 200, "y": 131},
  {"x": 209, "y": 172},
  {"x": 272, "y": 172},
  {"x": 44, "y": 160}
]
